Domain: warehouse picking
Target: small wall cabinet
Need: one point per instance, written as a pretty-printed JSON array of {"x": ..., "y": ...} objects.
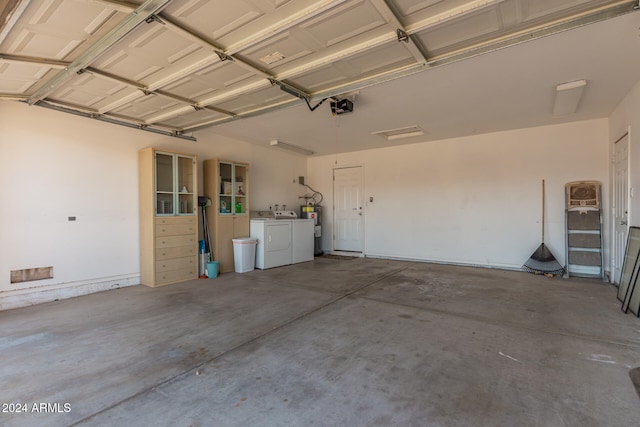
[
  {"x": 226, "y": 183},
  {"x": 168, "y": 217}
]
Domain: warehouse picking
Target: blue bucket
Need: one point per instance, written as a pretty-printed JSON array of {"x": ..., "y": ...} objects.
[{"x": 212, "y": 269}]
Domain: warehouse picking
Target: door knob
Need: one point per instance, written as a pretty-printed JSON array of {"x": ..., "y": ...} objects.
[{"x": 623, "y": 222}]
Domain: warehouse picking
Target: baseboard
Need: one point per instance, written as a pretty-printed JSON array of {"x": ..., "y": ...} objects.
[
  {"x": 345, "y": 253},
  {"x": 24, "y": 298},
  {"x": 447, "y": 262}
]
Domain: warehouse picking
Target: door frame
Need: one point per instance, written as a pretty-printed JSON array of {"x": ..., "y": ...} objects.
[
  {"x": 612, "y": 239},
  {"x": 333, "y": 206}
]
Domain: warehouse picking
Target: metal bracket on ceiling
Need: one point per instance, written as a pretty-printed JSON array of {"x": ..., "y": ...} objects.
[
  {"x": 197, "y": 107},
  {"x": 224, "y": 57},
  {"x": 146, "y": 92},
  {"x": 290, "y": 89},
  {"x": 402, "y": 35},
  {"x": 154, "y": 18}
]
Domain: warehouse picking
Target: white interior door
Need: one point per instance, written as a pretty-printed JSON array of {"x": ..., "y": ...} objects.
[
  {"x": 348, "y": 214},
  {"x": 620, "y": 206}
]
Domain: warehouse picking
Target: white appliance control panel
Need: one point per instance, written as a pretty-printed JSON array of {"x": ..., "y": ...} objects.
[{"x": 285, "y": 215}]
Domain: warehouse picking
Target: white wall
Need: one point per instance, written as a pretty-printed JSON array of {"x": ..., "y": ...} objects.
[
  {"x": 55, "y": 165},
  {"x": 473, "y": 200}
]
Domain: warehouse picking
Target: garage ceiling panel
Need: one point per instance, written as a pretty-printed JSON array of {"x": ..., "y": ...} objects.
[
  {"x": 47, "y": 31},
  {"x": 421, "y": 9},
  {"x": 93, "y": 92},
  {"x": 152, "y": 53},
  {"x": 369, "y": 63},
  {"x": 217, "y": 19},
  {"x": 329, "y": 32},
  {"x": 465, "y": 31},
  {"x": 174, "y": 62},
  {"x": 146, "y": 106},
  {"x": 344, "y": 23},
  {"x": 252, "y": 101},
  {"x": 191, "y": 119},
  {"x": 20, "y": 78},
  {"x": 543, "y": 9}
]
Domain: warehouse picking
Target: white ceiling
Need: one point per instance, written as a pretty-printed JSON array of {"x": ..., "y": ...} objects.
[{"x": 450, "y": 67}]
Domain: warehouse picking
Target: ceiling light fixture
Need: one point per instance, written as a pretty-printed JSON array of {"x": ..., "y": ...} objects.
[
  {"x": 290, "y": 147},
  {"x": 568, "y": 97},
  {"x": 400, "y": 133}
]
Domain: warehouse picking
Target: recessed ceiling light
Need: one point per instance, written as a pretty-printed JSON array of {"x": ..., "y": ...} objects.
[{"x": 400, "y": 133}]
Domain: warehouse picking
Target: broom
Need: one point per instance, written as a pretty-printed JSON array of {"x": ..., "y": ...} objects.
[{"x": 542, "y": 260}]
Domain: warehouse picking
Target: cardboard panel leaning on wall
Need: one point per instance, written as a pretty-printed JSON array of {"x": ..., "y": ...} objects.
[{"x": 473, "y": 200}]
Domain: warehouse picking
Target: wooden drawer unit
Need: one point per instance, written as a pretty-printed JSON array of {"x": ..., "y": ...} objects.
[
  {"x": 175, "y": 252},
  {"x": 176, "y": 226},
  {"x": 174, "y": 276},
  {"x": 174, "y": 241},
  {"x": 176, "y": 264},
  {"x": 168, "y": 221}
]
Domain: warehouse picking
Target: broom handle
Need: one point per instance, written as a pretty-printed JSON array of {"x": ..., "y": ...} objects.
[{"x": 543, "y": 211}]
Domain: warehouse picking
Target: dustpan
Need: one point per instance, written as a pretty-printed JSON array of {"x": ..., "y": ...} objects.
[{"x": 542, "y": 260}]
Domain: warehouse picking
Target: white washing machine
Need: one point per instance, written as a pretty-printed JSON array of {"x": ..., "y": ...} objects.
[{"x": 274, "y": 246}]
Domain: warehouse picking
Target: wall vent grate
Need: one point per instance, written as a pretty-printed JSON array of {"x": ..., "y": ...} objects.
[{"x": 31, "y": 274}]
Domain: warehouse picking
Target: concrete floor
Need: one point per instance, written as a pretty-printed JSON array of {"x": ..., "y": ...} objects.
[{"x": 333, "y": 342}]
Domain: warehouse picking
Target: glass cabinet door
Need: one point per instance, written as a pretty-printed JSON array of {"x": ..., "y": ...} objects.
[
  {"x": 240, "y": 189},
  {"x": 186, "y": 196},
  {"x": 233, "y": 193},
  {"x": 164, "y": 184},
  {"x": 175, "y": 184},
  {"x": 225, "y": 203}
]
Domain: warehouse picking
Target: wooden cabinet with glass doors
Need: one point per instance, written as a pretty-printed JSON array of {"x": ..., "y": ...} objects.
[
  {"x": 168, "y": 217},
  {"x": 226, "y": 183}
]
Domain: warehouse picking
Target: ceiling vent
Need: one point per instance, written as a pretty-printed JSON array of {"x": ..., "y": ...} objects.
[{"x": 400, "y": 133}]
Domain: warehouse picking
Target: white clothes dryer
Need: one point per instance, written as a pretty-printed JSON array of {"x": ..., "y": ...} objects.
[{"x": 274, "y": 242}]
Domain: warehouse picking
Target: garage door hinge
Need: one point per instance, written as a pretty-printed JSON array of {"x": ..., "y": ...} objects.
[
  {"x": 154, "y": 18},
  {"x": 402, "y": 35}
]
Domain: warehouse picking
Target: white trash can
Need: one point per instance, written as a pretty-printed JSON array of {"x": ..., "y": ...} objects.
[{"x": 244, "y": 254}]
